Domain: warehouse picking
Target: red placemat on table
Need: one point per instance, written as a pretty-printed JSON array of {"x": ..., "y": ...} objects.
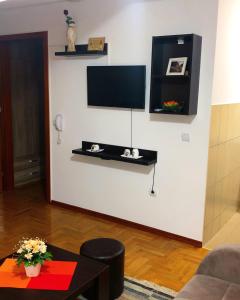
[{"x": 54, "y": 275}]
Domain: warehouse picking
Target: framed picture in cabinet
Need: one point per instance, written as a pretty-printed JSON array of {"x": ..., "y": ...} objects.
[{"x": 177, "y": 66}]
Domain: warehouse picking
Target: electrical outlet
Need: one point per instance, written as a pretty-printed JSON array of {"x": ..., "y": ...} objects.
[{"x": 153, "y": 193}]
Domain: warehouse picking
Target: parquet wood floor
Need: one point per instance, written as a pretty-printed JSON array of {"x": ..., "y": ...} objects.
[{"x": 25, "y": 213}]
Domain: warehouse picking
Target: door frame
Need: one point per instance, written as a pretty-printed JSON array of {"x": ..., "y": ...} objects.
[{"x": 7, "y": 116}]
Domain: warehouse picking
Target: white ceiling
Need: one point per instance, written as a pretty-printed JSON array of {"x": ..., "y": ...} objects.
[{"x": 24, "y": 3}]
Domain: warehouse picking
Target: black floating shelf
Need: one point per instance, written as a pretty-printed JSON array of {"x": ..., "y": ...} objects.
[
  {"x": 82, "y": 50},
  {"x": 112, "y": 152}
]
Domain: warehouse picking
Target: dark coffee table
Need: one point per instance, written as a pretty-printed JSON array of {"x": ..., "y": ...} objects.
[{"x": 90, "y": 279}]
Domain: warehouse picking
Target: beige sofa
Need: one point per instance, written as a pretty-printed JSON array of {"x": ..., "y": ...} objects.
[{"x": 218, "y": 277}]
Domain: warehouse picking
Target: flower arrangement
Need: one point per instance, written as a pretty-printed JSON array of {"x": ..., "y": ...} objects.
[
  {"x": 69, "y": 19},
  {"x": 172, "y": 105},
  {"x": 31, "y": 252}
]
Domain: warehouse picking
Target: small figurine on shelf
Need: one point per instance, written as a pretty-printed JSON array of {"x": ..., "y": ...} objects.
[{"x": 71, "y": 32}]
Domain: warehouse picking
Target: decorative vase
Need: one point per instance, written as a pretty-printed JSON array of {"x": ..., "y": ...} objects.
[
  {"x": 33, "y": 271},
  {"x": 71, "y": 38}
]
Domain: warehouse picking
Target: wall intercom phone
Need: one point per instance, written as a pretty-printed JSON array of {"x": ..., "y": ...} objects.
[{"x": 59, "y": 125}]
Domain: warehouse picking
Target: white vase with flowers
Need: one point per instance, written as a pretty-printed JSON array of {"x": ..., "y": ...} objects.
[
  {"x": 32, "y": 253},
  {"x": 71, "y": 32}
]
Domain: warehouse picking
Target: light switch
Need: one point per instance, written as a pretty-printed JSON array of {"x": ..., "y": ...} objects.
[{"x": 186, "y": 137}]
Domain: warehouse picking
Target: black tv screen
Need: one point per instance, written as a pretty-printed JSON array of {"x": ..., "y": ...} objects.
[{"x": 116, "y": 86}]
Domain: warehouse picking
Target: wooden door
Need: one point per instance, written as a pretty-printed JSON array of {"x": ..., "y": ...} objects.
[
  {"x": 6, "y": 140},
  {"x": 6, "y": 143},
  {"x": 1, "y": 157},
  {"x": 2, "y": 47},
  {"x": 27, "y": 100}
]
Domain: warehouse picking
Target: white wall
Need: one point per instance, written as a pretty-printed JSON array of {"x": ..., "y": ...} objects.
[
  {"x": 227, "y": 63},
  {"x": 116, "y": 188}
]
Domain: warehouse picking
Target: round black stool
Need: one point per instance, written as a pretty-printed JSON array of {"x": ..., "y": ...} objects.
[{"x": 110, "y": 252}]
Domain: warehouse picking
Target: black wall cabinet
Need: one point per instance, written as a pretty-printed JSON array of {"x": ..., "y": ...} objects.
[{"x": 182, "y": 89}]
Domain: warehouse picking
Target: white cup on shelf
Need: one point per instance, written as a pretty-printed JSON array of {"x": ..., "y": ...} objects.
[
  {"x": 127, "y": 152},
  {"x": 135, "y": 153},
  {"x": 95, "y": 147}
]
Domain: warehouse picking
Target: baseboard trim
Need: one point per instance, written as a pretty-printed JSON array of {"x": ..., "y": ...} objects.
[{"x": 173, "y": 236}]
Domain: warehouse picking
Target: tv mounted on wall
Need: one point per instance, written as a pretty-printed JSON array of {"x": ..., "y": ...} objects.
[{"x": 117, "y": 86}]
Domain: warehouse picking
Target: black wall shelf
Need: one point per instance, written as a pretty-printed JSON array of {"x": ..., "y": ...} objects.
[
  {"x": 112, "y": 152},
  {"x": 183, "y": 88},
  {"x": 82, "y": 50}
]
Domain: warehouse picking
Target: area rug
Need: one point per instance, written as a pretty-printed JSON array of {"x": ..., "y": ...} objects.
[{"x": 145, "y": 290}]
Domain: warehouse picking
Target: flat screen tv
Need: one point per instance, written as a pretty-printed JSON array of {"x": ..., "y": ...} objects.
[{"x": 116, "y": 86}]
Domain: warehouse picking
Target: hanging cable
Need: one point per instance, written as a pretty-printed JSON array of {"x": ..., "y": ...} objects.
[
  {"x": 131, "y": 127},
  {"x": 153, "y": 183}
]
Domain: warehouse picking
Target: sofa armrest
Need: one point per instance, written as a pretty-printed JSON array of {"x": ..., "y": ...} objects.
[{"x": 222, "y": 263}]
